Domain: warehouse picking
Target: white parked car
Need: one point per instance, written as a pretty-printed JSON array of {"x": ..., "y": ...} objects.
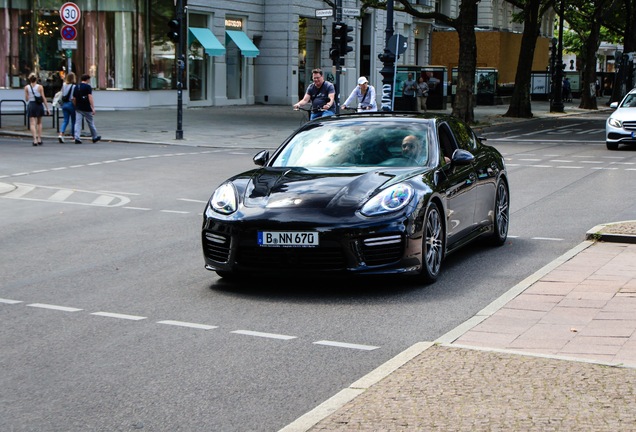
[{"x": 621, "y": 125}]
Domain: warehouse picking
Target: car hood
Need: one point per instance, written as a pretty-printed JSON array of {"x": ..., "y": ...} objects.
[
  {"x": 318, "y": 188},
  {"x": 624, "y": 114}
]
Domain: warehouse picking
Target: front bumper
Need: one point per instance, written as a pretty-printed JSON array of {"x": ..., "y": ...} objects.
[
  {"x": 622, "y": 135},
  {"x": 382, "y": 248}
]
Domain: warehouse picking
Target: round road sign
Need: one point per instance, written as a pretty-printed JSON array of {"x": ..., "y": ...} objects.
[
  {"x": 68, "y": 33},
  {"x": 70, "y": 13}
]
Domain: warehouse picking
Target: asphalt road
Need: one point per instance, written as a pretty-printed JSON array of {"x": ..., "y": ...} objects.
[{"x": 110, "y": 322}]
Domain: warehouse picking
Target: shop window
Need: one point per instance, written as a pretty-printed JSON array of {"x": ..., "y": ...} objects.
[
  {"x": 197, "y": 61},
  {"x": 163, "y": 73}
]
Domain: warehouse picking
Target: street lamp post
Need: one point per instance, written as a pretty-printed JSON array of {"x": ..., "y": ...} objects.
[
  {"x": 180, "y": 68},
  {"x": 388, "y": 59}
]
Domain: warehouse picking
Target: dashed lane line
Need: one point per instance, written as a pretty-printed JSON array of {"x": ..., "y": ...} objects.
[
  {"x": 263, "y": 335},
  {"x": 346, "y": 345},
  {"x": 54, "y": 307},
  {"x": 187, "y": 324},
  {"x": 119, "y": 316},
  {"x": 7, "y": 301},
  {"x": 191, "y": 200},
  {"x": 547, "y": 238},
  {"x": 174, "y": 211}
]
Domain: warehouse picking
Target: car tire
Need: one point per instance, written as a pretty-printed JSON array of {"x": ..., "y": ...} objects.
[
  {"x": 432, "y": 244},
  {"x": 611, "y": 145},
  {"x": 501, "y": 220}
]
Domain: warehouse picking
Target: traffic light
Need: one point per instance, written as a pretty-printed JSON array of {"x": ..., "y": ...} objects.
[
  {"x": 173, "y": 32},
  {"x": 334, "y": 51},
  {"x": 345, "y": 39}
]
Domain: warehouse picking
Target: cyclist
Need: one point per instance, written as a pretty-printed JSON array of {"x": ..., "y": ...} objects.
[
  {"x": 366, "y": 96},
  {"x": 321, "y": 94}
]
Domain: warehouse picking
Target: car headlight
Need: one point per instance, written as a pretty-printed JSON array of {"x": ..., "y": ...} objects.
[
  {"x": 615, "y": 122},
  {"x": 389, "y": 200},
  {"x": 224, "y": 199}
]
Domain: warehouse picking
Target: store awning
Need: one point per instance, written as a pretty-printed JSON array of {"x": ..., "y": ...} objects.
[
  {"x": 247, "y": 47},
  {"x": 206, "y": 38}
]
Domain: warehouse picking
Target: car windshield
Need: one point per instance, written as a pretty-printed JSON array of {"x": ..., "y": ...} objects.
[
  {"x": 629, "y": 101},
  {"x": 358, "y": 143}
]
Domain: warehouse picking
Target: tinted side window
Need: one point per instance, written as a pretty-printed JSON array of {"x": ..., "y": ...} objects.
[{"x": 463, "y": 135}]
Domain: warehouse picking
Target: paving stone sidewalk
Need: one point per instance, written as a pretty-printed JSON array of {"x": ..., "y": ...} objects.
[{"x": 560, "y": 356}]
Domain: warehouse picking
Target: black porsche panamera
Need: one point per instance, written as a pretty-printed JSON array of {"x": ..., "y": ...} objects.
[{"x": 375, "y": 193}]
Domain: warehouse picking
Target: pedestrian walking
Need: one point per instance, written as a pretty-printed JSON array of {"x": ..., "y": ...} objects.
[
  {"x": 422, "y": 94},
  {"x": 84, "y": 109},
  {"x": 67, "y": 105},
  {"x": 321, "y": 93},
  {"x": 365, "y": 94},
  {"x": 34, "y": 95},
  {"x": 409, "y": 87}
]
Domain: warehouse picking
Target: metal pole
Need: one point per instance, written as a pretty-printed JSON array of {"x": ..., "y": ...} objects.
[
  {"x": 557, "y": 105},
  {"x": 388, "y": 59},
  {"x": 336, "y": 99},
  {"x": 180, "y": 67}
]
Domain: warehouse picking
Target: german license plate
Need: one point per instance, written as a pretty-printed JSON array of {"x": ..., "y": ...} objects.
[{"x": 288, "y": 238}]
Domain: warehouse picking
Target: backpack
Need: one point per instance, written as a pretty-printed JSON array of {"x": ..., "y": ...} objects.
[{"x": 67, "y": 96}]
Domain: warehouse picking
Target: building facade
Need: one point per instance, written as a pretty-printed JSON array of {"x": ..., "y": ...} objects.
[{"x": 237, "y": 52}]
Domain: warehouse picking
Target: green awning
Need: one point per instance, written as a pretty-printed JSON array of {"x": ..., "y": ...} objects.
[
  {"x": 206, "y": 38},
  {"x": 247, "y": 47}
]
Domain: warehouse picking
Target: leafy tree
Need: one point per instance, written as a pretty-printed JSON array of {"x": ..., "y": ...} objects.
[
  {"x": 586, "y": 18},
  {"x": 531, "y": 15}
]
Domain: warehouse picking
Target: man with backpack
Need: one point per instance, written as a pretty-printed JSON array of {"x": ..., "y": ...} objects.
[{"x": 84, "y": 108}]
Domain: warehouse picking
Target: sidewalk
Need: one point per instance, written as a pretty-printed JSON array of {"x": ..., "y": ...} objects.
[
  {"x": 556, "y": 352},
  {"x": 245, "y": 126}
]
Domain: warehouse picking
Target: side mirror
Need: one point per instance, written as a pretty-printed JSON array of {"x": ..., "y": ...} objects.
[
  {"x": 261, "y": 158},
  {"x": 614, "y": 105},
  {"x": 462, "y": 157}
]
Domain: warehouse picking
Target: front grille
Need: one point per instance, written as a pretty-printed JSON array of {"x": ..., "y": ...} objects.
[
  {"x": 216, "y": 247},
  {"x": 320, "y": 258},
  {"x": 629, "y": 125},
  {"x": 381, "y": 250}
]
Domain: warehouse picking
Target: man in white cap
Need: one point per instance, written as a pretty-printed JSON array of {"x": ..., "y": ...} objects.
[{"x": 365, "y": 94}]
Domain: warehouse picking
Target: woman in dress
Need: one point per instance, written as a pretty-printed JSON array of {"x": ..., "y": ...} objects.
[
  {"x": 34, "y": 94},
  {"x": 67, "y": 105}
]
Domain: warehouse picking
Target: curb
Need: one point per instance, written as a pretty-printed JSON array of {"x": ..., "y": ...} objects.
[{"x": 595, "y": 234}]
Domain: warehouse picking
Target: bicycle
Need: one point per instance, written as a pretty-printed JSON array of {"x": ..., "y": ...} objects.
[{"x": 306, "y": 114}]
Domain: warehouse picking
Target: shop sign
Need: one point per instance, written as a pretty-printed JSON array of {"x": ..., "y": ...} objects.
[
  {"x": 232, "y": 23},
  {"x": 70, "y": 13}
]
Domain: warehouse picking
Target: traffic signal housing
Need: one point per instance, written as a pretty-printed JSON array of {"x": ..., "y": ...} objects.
[
  {"x": 334, "y": 51},
  {"x": 173, "y": 32},
  {"x": 344, "y": 39}
]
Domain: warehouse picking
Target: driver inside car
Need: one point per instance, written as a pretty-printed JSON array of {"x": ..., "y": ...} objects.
[{"x": 412, "y": 148}]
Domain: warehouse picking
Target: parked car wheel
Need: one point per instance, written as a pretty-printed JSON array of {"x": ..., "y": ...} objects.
[
  {"x": 501, "y": 215},
  {"x": 433, "y": 248}
]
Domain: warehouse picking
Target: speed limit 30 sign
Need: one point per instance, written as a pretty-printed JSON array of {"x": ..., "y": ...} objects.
[{"x": 70, "y": 13}]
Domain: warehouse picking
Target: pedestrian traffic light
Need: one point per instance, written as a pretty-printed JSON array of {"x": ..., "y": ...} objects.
[
  {"x": 334, "y": 51},
  {"x": 173, "y": 32},
  {"x": 345, "y": 39}
]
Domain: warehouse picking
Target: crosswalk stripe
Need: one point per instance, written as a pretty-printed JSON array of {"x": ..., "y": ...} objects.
[
  {"x": 61, "y": 195},
  {"x": 103, "y": 200},
  {"x": 20, "y": 191}
]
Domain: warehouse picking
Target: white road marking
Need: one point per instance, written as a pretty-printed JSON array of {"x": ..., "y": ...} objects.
[
  {"x": 119, "y": 193},
  {"x": 61, "y": 195},
  {"x": 346, "y": 345},
  {"x": 38, "y": 171},
  {"x": 530, "y": 160},
  {"x": 19, "y": 174},
  {"x": 513, "y": 236},
  {"x": 509, "y": 164},
  {"x": 621, "y": 163},
  {"x": 76, "y": 166},
  {"x": 592, "y": 162},
  {"x": 604, "y": 168},
  {"x": 136, "y": 208},
  {"x": 120, "y": 316},
  {"x": 94, "y": 163},
  {"x": 547, "y": 238},
  {"x": 186, "y": 324},
  {"x": 7, "y": 301},
  {"x": 541, "y": 166},
  {"x": 103, "y": 200},
  {"x": 612, "y": 157},
  {"x": 19, "y": 191},
  {"x": 263, "y": 335},
  {"x": 569, "y": 166},
  {"x": 58, "y": 169},
  {"x": 630, "y": 169},
  {"x": 557, "y": 128},
  {"x": 110, "y": 161},
  {"x": 53, "y": 307},
  {"x": 174, "y": 211},
  {"x": 191, "y": 200},
  {"x": 561, "y": 161},
  {"x": 590, "y": 131}
]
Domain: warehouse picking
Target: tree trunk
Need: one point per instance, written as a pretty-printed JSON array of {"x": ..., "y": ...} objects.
[
  {"x": 590, "y": 47},
  {"x": 520, "y": 105},
  {"x": 465, "y": 92},
  {"x": 629, "y": 41}
]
